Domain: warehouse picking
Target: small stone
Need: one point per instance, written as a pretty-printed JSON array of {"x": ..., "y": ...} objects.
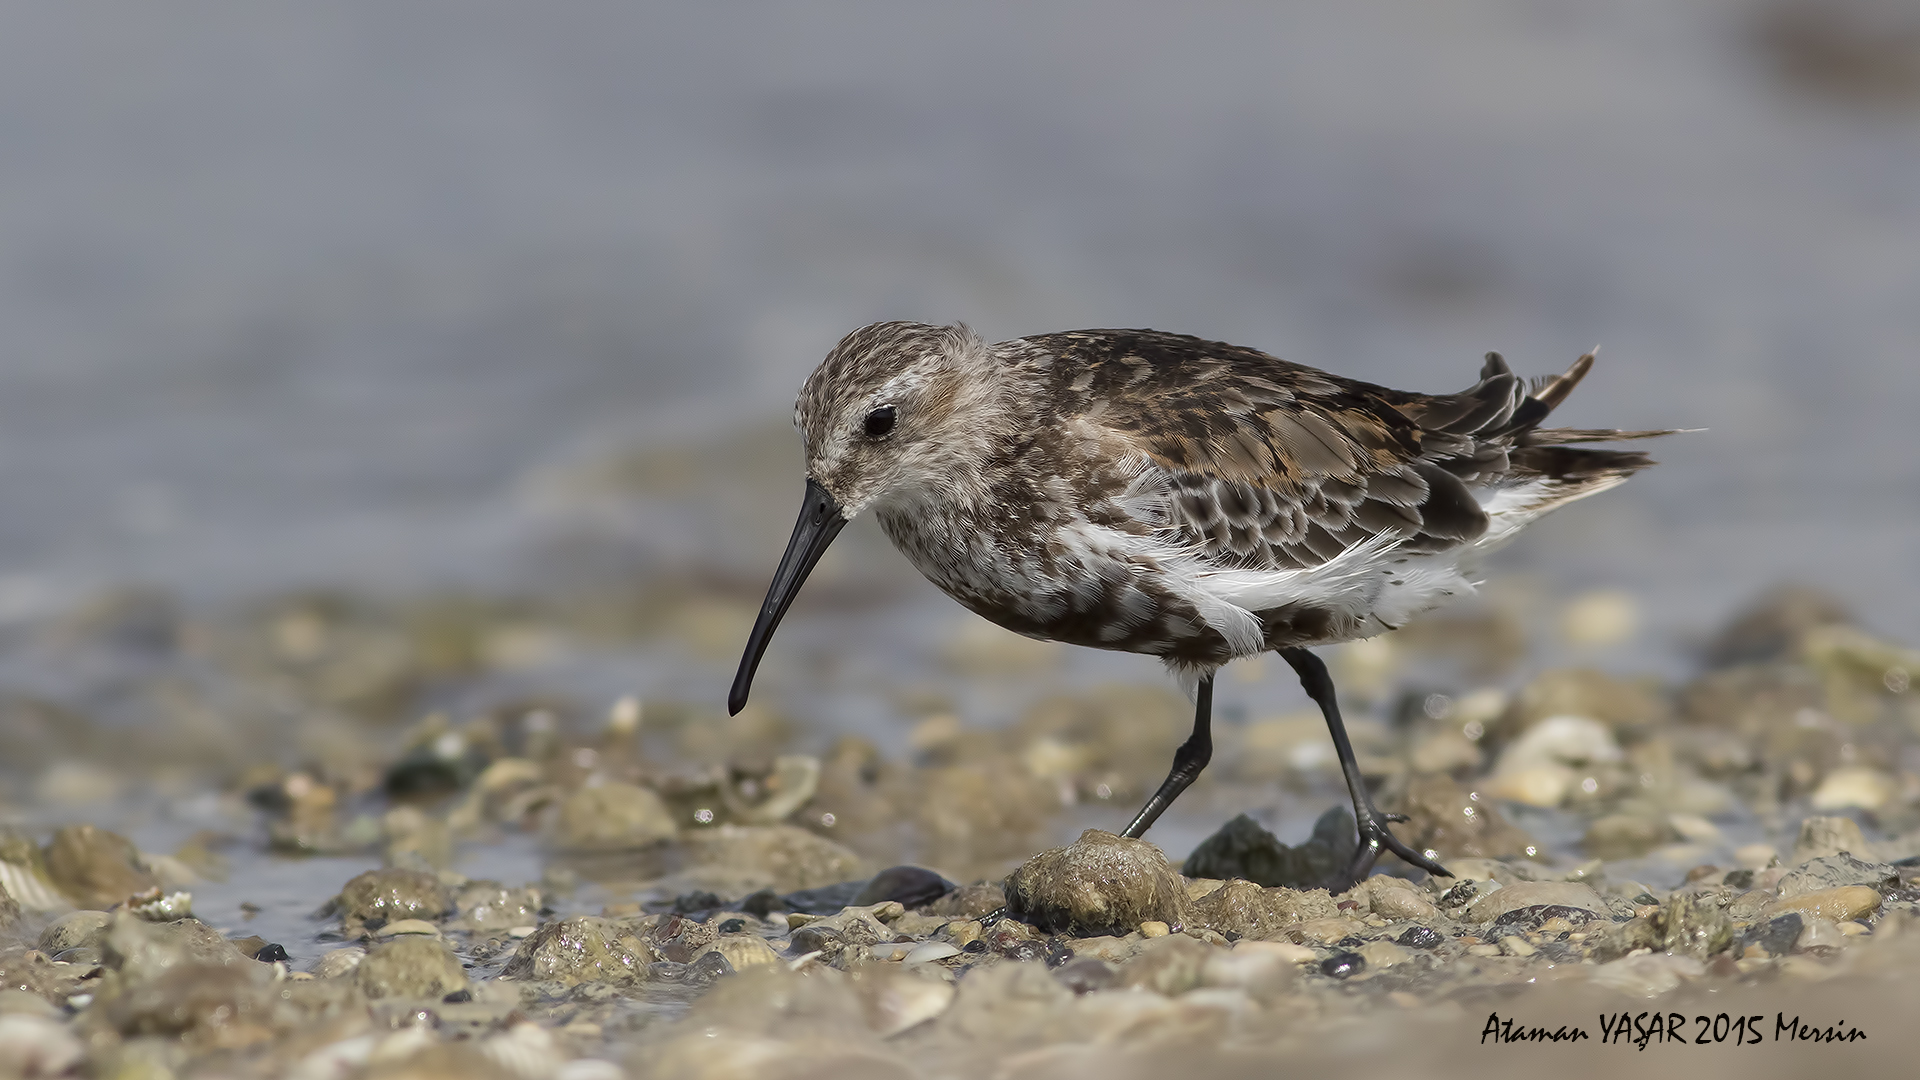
[
  {"x": 929, "y": 951},
  {"x": 1397, "y": 898},
  {"x": 489, "y": 905},
  {"x": 1243, "y": 850},
  {"x": 1153, "y": 928},
  {"x": 1755, "y": 856},
  {"x": 1626, "y": 836},
  {"x": 76, "y": 929},
  {"x": 1343, "y": 965},
  {"x": 201, "y": 1002},
  {"x": 1852, "y": 787},
  {"x": 1833, "y": 905},
  {"x": 1420, "y": 937},
  {"x": 1820, "y": 934},
  {"x": 1445, "y": 751},
  {"x": 585, "y": 948},
  {"x": 1617, "y": 704},
  {"x": 1515, "y": 945},
  {"x": 409, "y": 926},
  {"x": 1249, "y": 911},
  {"x": 1524, "y": 894},
  {"x": 1484, "y": 950},
  {"x": 970, "y": 901},
  {"x": 788, "y": 858},
  {"x": 1285, "y": 950},
  {"x": 389, "y": 895},
  {"x": 895, "y": 1000},
  {"x": 1696, "y": 926},
  {"x": 1834, "y": 871},
  {"x": 39, "y": 1046},
  {"x": 1262, "y": 974},
  {"x": 96, "y": 868},
  {"x": 142, "y": 950},
  {"x": 743, "y": 951},
  {"x": 1542, "y": 765},
  {"x": 613, "y": 815},
  {"x": 1383, "y": 954},
  {"x": 1454, "y": 822},
  {"x": 1546, "y": 784},
  {"x": 1170, "y": 965},
  {"x": 911, "y": 886},
  {"x": 1099, "y": 884},
  {"x": 1325, "y": 931},
  {"x": 336, "y": 962},
  {"x": 1829, "y": 836},
  {"x": 412, "y": 966}
]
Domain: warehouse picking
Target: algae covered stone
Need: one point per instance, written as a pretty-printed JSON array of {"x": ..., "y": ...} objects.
[
  {"x": 412, "y": 966},
  {"x": 1099, "y": 884},
  {"x": 389, "y": 895}
]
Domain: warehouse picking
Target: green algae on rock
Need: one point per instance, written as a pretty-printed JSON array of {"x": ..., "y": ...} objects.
[{"x": 1099, "y": 884}]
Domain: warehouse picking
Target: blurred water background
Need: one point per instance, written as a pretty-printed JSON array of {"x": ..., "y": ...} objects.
[{"x": 506, "y": 300}]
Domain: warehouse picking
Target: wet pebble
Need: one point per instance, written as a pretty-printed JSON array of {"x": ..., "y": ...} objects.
[
  {"x": 1343, "y": 965},
  {"x": 1099, "y": 884},
  {"x": 1834, "y": 905},
  {"x": 95, "y": 868},
  {"x": 1420, "y": 937},
  {"x": 582, "y": 949},
  {"x": 381, "y": 896},
  {"x": 412, "y": 966},
  {"x": 613, "y": 815},
  {"x": 1775, "y": 936},
  {"x": 1246, "y": 910}
]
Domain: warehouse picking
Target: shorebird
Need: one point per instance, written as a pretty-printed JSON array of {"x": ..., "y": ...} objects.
[{"x": 1187, "y": 499}]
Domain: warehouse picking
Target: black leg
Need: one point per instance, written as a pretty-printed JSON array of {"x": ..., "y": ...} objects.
[
  {"x": 1192, "y": 756},
  {"x": 1374, "y": 833}
]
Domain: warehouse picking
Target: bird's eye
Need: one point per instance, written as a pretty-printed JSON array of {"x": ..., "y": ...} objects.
[{"x": 880, "y": 422}]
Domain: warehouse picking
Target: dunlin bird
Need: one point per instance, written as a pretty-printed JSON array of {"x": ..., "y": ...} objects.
[{"x": 1191, "y": 500}]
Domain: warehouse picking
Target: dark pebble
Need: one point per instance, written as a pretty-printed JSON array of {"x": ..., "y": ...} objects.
[
  {"x": 1528, "y": 919},
  {"x": 272, "y": 953},
  {"x": 1459, "y": 894},
  {"x": 912, "y": 886},
  {"x": 695, "y": 903},
  {"x": 975, "y": 946},
  {"x": 760, "y": 904},
  {"x": 1058, "y": 953},
  {"x": 1777, "y": 935},
  {"x": 1024, "y": 951},
  {"x": 1086, "y": 975},
  {"x": 1420, "y": 937},
  {"x": 1739, "y": 879},
  {"x": 1343, "y": 965},
  {"x": 733, "y": 926},
  {"x": 458, "y": 997}
]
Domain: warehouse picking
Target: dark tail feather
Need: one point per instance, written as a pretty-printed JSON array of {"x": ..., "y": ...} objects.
[{"x": 1571, "y": 463}]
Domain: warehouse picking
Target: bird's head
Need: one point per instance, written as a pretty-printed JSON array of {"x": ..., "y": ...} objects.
[{"x": 893, "y": 411}]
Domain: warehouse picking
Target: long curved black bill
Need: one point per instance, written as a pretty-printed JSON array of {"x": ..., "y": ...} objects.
[{"x": 820, "y": 521}]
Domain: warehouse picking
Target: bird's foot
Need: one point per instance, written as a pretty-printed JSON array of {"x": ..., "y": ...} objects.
[{"x": 1374, "y": 838}]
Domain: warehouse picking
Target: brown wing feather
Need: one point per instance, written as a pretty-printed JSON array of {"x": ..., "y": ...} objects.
[{"x": 1278, "y": 465}]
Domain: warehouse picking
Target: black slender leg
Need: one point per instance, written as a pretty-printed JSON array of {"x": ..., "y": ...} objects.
[
  {"x": 1374, "y": 833},
  {"x": 1192, "y": 756}
]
